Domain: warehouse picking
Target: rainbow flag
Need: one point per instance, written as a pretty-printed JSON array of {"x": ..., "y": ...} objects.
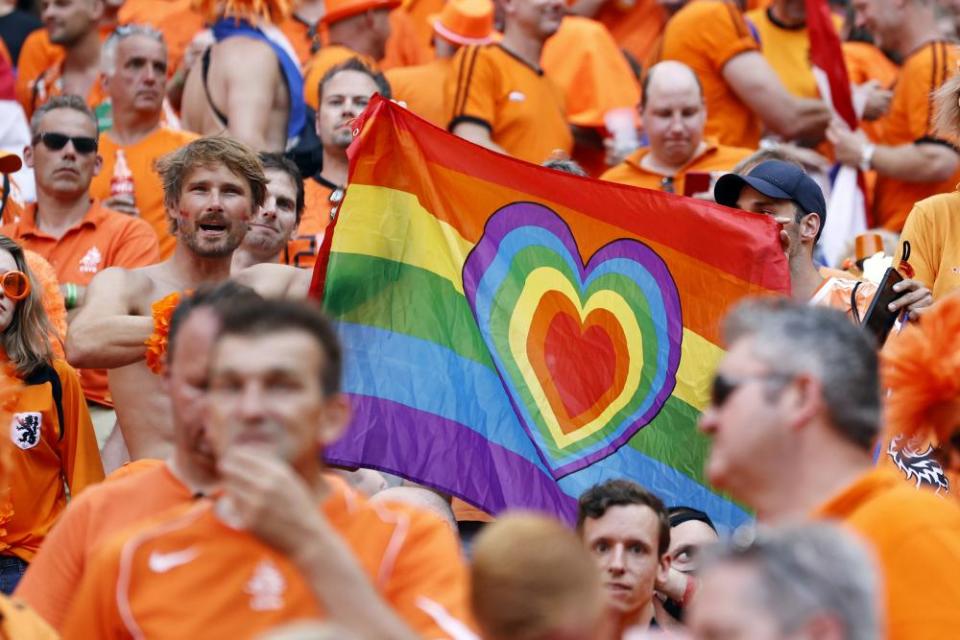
[{"x": 514, "y": 335}]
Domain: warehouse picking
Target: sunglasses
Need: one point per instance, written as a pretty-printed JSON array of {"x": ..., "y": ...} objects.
[
  {"x": 57, "y": 141},
  {"x": 725, "y": 386},
  {"x": 15, "y": 285}
]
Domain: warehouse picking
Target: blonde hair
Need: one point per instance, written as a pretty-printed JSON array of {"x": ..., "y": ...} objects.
[
  {"x": 532, "y": 576},
  {"x": 26, "y": 340},
  {"x": 946, "y": 101},
  {"x": 211, "y": 151}
]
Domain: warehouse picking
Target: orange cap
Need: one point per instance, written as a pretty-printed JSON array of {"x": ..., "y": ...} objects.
[
  {"x": 9, "y": 162},
  {"x": 868, "y": 244},
  {"x": 340, "y": 9},
  {"x": 465, "y": 22}
]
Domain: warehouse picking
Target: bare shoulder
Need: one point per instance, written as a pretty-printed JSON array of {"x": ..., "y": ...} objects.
[
  {"x": 255, "y": 54},
  {"x": 276, "y": 280}
]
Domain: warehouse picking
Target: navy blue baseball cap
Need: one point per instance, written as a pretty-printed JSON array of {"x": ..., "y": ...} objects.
[{"x": 775, "y": 179}]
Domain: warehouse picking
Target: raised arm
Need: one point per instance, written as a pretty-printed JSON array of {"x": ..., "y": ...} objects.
[
  {"x": 104, "y": 334},
  {"x": 755, "y": 82}
]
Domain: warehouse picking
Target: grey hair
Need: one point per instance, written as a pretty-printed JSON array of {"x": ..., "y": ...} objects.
[
  {"x": 794, "y": 338},
  {"x": 810, "y": 570},
  {"x": 76, "y": 103},
  {"x": 108, "y": 54}
]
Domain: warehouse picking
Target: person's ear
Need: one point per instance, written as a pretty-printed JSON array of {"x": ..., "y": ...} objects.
[
  {"x": 810, "y": 226},
  {"x": 28, "y": 156},
  {"x": 805, "y": 394},
  {"x": 337, "y": 414}
]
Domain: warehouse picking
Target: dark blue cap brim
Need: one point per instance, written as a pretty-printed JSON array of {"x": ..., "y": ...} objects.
[{"x": 728, "y": 189}]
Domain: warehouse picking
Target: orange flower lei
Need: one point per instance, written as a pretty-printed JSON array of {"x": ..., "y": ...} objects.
[
  {"x": 275, "y": 11},
  {"x": 10, "y": 388},
  {"x": 157, "y": 342}
]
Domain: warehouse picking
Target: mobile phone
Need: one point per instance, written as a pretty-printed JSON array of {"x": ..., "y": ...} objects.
[
  {"x": 879, "y": 320},
  {"x": 696, "y": 182}
]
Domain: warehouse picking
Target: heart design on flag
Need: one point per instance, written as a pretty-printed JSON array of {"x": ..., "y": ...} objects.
[{"x": 588, "y": 352}]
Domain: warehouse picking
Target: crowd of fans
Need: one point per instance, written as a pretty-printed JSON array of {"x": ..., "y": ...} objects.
[{"x": 170, "y": 168}]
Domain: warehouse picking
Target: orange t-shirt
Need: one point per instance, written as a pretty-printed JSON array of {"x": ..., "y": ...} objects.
[
  {"x": 303, "y": 248},
  {"x": 89, "y": 522},
  {"x": 179, "y": 28},
  {"x": 421, "y": 88},
  {"x": 634, "y": 24},
  {"x": 102, "y": 239},
  {"x": 837, "y": 293},
  {"x": 18, "y": 621},
  {"x": 36, "y": 56},
  {"x": 933, "y": 230},
  {"x": 915, "y": 535},
  {"x": 48, "y": 452},
  {"x": 147, "y": 187},
  {"x": 910, "y": 120},
  {"x": 151, "y": 12},
  {"x": 705, "y": 35},
  {"x": 405, "y": 47},
  {"x": 524, "y": 110},
  {"x": 327, "y": 58},
  {"x": 189, "y": 573},
  {"x": 714, "y": 158},
  {"x": 585, "y": 62},
  {"x": 420, "y": 12}
]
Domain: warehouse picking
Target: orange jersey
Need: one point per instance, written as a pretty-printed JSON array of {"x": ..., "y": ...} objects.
[
  {"x": 18, "y": 622},
  {"x": 36, "y": 56},
  {"x": 35, "y": 90},
  {"x": 714, "y": 158},
  {"x": 49, "y": 450},
  {"x": 421, "y": 88},
  {"x": 405, "y": 46},
  {"x": 584, "y": 60},
  {"x": 915, "y": 535},
  {"x": 933, "y": 230},
  {"x": 89, "y": 522},
  {"x": 147, "y": 187},
  {"x": 190, "y": 573},
  {"x": 635, "y": 24},
  {"x": 302, "y": 249},
  {"x": 705, "y": 35},
  {"x": 151, "y": 12},
  {"x": 420, "y": 12},
  {"x": 327, "y": 58},
  {"x": 179, "y": 28},
  {"x": 102, "y": 239},
  {"x": 867, "y": 62},
  {"x": 787, "y": 49},
  {"x": 523, "y": 109},
  {"x": 910, "y": 120}
]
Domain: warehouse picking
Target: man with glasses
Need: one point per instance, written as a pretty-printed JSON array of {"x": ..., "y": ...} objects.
[
  {"x": 785, "y": 192},
  {"x": 74, "y": 233},
  {"x": 674, "y": 116},
  {"x": 794, "y": 417}
]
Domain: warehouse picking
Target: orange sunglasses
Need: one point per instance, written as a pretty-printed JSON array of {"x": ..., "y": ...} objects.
[{"x": 15, "y": 285}]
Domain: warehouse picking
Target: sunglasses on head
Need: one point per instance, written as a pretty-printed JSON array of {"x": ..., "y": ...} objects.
[
  {"x": 15, "y": 285},
  {"x": 57, "y": 141},
  {"x": 724, "y": 386}
]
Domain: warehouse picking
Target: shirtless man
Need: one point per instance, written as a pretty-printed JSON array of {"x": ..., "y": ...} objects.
[
  {"x": 212, "y": 186},
  {"x": 247, "y": 84}
]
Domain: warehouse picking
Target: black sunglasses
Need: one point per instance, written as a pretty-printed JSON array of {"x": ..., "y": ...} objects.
[
  {"x": 724, "y": 386},
  {"x": 57, "y": 141}
]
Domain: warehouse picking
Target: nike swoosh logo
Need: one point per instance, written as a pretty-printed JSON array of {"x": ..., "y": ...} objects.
[{"x": 163, "y": 562}]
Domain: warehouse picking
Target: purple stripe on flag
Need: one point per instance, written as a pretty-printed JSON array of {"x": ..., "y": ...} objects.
[{"x": 379, "y": 437}]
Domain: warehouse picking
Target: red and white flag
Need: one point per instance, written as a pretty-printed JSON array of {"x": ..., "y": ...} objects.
[{"x": 847, "y": 206}]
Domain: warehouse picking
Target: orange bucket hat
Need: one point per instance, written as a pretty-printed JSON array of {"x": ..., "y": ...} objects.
[
  {"x": 340, "y": 9},
  {"x": 465, "y": 22}
]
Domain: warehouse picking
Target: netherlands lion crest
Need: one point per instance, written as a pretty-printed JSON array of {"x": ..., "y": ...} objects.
[
  {"x": 25, "y": 429},
  {"x": 921, "y": 467}
]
